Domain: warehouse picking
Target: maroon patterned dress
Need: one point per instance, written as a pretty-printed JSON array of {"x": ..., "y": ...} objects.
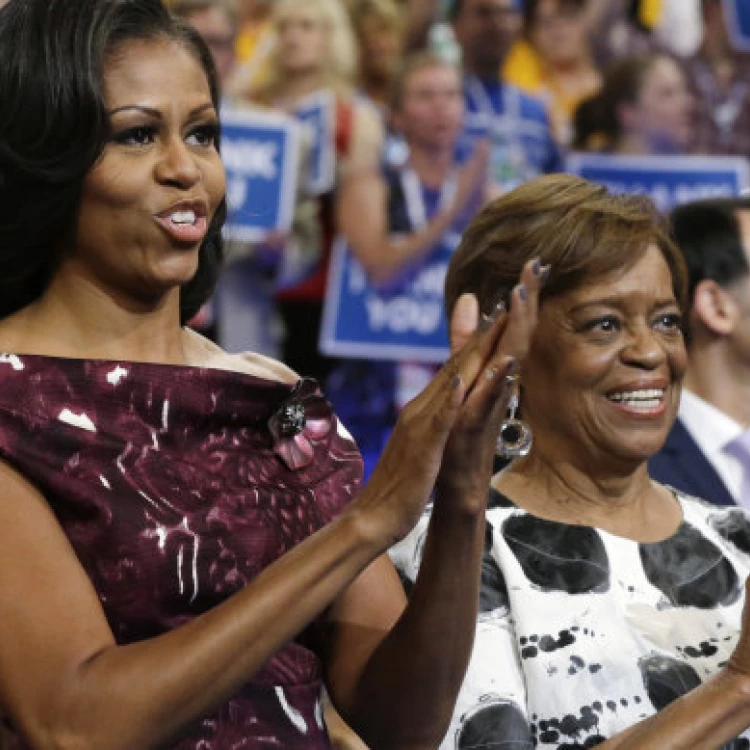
[{"x": 176, "y": 486}]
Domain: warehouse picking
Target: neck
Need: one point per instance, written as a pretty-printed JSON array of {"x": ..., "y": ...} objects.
[
  {"x": 716, "y": 47},
  {"x": 633, "y": 144},
  {"x": 575, "y": 72},
  {"x": 297, "y": 85},
  {"x": 75, "y": 318},
  {"x": 487, "y": 70},
  {"x": 431, "y": 164},
  {"x": 721, "y": 380},
  {"x": 624, "y": 502}
]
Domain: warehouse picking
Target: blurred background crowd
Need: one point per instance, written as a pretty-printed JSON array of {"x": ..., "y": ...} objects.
[{"x": 418, "y": 86}]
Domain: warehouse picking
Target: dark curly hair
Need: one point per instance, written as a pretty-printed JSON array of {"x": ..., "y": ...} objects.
[{"x": 54, "y": 126}]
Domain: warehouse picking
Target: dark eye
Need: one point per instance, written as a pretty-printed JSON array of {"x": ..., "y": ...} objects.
[
  {"x": 203, "y": 135},
  {"x": 141, "y": 135},
  {"x": 669, "y": 321},
  {"x": 605, "y": 324}
]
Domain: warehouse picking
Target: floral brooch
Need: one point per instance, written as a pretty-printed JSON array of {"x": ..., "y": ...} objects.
[{"x": 304, "y": 416}]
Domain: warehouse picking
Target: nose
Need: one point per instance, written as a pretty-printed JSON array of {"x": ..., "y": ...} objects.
[
  {"x": 177, "y": 166},
  {"x": 644, "y": 349}
]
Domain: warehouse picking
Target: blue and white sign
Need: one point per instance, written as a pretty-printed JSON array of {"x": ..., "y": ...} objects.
[
  {"x": 260, "y": 151},
  {"x": 317, "y": 113},
  {"x": 405, "y": 321},
  {"x": 667, "y": 180},
  {"x": 737, "y": 18}
]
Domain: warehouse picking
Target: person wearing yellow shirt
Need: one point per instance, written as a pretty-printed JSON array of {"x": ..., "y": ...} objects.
[{"x": 552, "y": 59}]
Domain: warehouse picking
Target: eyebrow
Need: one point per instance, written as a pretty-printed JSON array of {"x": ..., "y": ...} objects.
[
  {"x": 618, "y": 302},
  {"x": 155, "y": 112}
]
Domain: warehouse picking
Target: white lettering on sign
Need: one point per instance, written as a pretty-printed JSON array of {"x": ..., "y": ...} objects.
[
  {"x": 431, "y": 280},
  {"x": 236, "y": 192},
  {"x": 403, "y": 314},
  {"x": 251, "y": 158}
]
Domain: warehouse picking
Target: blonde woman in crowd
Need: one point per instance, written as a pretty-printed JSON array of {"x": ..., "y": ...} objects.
[{"x": 316, "y": 52}]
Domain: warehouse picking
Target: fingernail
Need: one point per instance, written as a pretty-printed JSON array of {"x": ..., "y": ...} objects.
[
  {"x": 523, "y": 292},
  {"x": 536, "y": 269},
  {"x": 455, "y": 382},
  {"x": 511, "y": 368}
]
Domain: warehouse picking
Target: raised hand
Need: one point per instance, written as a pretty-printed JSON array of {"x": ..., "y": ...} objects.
[
  {"x": 468, "y": 457},
  {"x": 465, "y": 402}
]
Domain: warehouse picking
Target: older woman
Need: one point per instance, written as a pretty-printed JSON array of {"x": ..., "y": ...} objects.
[
  {"x": 185, "y": 553},
  {"x": 605, "y": 596}
]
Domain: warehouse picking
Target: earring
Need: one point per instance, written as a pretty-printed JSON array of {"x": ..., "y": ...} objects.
[{"x": 515, "y": 436}]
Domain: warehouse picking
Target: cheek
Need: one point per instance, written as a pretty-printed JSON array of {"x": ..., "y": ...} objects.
[
  {"x": 678, "y": 359},
  {"x": 113, "y": 187}
]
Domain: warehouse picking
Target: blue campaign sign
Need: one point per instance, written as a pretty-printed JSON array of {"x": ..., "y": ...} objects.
[
  {"x": 667, "y": 180},
  {"x": 737, "y": 18},
  {"x": 317, "y": 112},
  {"x": 405, "y": 321},
  {"x": 260, "y": 151}
]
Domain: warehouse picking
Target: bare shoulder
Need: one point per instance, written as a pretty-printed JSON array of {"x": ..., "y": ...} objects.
[{"x": 209, "y": 354}]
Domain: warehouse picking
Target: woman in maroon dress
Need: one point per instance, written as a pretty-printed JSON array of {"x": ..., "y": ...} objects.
[{"x": 186, "y": 556}]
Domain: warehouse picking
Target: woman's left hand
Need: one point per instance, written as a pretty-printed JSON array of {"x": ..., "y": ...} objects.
[{"x": 467, "y": 463}]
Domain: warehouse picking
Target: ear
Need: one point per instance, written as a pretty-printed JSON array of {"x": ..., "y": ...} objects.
[
  {"x": 464, "y": 321},
  {"x": 715, "y": 308}
]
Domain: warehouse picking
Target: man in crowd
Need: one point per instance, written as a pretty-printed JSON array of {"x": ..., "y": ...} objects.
[
  {"x": 517, "y": 124},
  {"x": 708, "y": 451}
]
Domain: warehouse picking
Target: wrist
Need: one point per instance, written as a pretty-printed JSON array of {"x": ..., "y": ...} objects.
[
  {"x": 456, "y": 502},
  {"x": 737, "y": 681},
  {"x": 371, "y": 524}
]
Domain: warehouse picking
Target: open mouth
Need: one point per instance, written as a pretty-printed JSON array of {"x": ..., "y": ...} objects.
[
  {"x": 646, "y": 400},
  {"x": 185, "y": 224}
]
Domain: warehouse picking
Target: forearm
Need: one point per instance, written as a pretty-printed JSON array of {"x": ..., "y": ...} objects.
[
  {"x": 704, "y": 719},
  {"x": 419, "y": 667},
  {"x": 393, "y": 256},
  {"x": 139, "y": 695}
]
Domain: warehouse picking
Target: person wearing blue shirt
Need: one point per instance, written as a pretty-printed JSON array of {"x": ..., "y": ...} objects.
[{"x": 522, "y": 142}]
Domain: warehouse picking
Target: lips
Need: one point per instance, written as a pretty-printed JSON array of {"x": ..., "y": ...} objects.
[
  {"x": 185, "y": 222},
  {"x": 643, "y": 401}
]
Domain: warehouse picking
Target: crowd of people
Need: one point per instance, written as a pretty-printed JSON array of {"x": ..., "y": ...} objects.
[
  {"x": 538, "y": 79},
  {"x": 214, "y": 536}
]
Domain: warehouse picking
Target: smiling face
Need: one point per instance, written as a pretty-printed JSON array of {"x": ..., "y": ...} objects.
[
  {"x": 147, "y": 202},
  {"x": 601, "y": 383}
]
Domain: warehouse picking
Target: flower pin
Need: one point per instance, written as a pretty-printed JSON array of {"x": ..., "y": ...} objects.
[{"x": 304, "y": 416}]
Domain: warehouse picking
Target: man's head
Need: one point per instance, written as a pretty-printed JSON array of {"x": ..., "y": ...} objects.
[
  {"x": 485, "y": 29},
  {"x": 714, "y": 237},
  {"x": 427, "y": 102}
]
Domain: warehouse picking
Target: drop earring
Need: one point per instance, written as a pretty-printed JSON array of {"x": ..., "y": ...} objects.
[{"x": 515, "y": 436}]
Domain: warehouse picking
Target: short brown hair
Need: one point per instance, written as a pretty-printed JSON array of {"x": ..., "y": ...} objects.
[
  {"x": 530, "y": 8},
  {"x": 581, "y": 229},
  {"x": 416, "y": 61}
]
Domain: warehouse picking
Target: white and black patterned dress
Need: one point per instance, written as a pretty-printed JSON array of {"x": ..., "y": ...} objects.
[{"x": 582, "y": 633}]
